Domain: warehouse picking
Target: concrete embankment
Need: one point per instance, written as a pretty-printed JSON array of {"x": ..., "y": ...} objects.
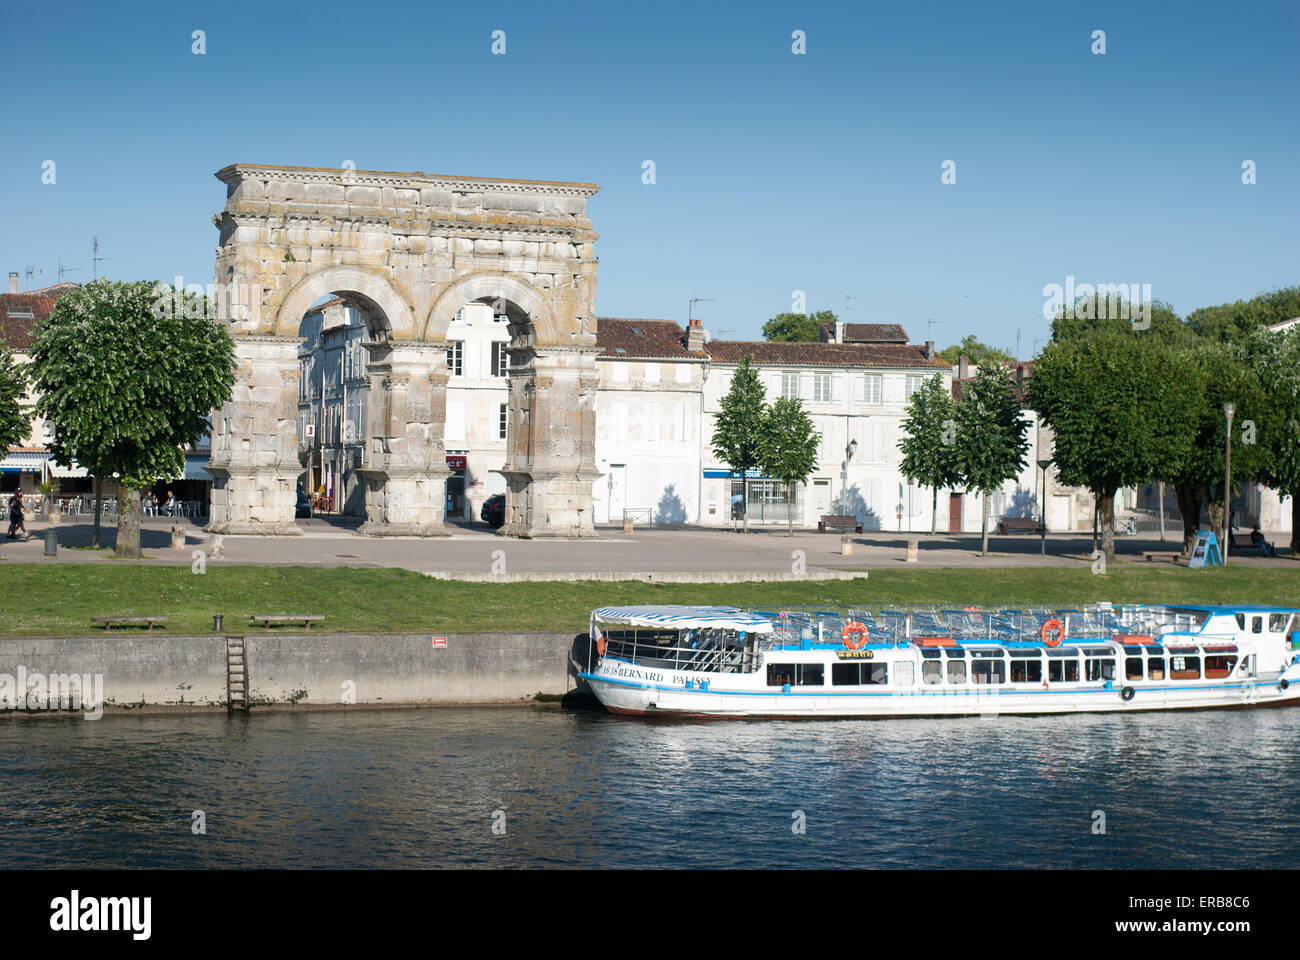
[{"x": 159, "y": 673}]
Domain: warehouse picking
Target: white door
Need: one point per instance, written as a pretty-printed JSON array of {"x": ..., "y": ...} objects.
[
  {"x": 1058, "y": 518},
  {"x": 821, "y": 498},
  {"x": 617, "y": 491}
]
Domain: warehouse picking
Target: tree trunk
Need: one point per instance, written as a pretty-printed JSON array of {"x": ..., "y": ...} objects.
[
  {"x": 1189, "y": 506},
  {"x": 128, "y": 523},
  {"x": 934, "y": 510},
  {"x": 1295, "y": 522},
  {"x": 1161, "y": 507},
  {"x": 789, "y": 512},
  {"x": 99, "y": 496},
  {"x": 1106, "y": 510},
  {"x": 744, "y": 503},
  {"x": 984, "y": 525}
]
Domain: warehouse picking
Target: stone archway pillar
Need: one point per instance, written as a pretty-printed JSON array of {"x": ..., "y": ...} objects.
[
  {"x": 551, "y": 457},
  {"x": 404, "y": 463},
  {"x": 255, "y": 460}
]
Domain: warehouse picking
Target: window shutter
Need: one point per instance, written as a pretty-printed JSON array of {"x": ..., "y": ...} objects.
[
  {"x": 877, "y": 452},
  {"x": 837, "y": 387},
  {"x": 454, "y": 430}
]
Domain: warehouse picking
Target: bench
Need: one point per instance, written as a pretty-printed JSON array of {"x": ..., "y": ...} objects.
[
  {"x": 1008, "y": 524},
  {"x": 267, "y": 619},
  {"x": 129, "y": 621},
  {"x": 839, "y": 522},
  {"x": 1173, "y": 556}
]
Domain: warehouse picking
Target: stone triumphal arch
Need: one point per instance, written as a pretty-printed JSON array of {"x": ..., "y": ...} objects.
[{"x": 407, "y": 249}]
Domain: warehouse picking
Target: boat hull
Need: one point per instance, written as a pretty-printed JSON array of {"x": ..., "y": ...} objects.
[{"x": 667, "y": 699}]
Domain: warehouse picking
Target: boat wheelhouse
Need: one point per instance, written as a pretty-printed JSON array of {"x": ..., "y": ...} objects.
[{"x": 724, "y": 661}]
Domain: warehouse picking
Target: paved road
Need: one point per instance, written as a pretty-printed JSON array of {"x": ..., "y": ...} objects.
[{"x": 474, "y": 549}]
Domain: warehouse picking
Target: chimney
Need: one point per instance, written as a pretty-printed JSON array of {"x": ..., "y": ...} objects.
[
  {"x": 1020, "y": 374},
  {"x": 929, "y": 349},
  {"x": 839, "y": 331},
  {"x": 695, "y": 336},
  {"x": 13, "y": 282},
  {"x": 963, "y": 367}
]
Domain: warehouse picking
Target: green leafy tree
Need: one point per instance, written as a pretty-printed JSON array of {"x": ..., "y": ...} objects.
[
  {"x": 1233, "y": 322},
  {"x": 1275, "y": 359},
  {"x": 738, "y": 429},
  {"x": 975, "y": 351},
  {"x": 991, "y": 440},
  {"x": 1094, "y": 316},
  {"x": 1123, "y": 410},
  {"x": 797, "y": 327},
  {"x": 788, "y": 447},
  {"x": 14, "y": 419},
  {"x": 929, "y": 441},
  {"x": 126, "y": 380},
  {"x": 1219, "y": 373}
]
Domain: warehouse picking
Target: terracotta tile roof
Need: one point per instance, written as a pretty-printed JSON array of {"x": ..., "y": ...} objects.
[
  {"x": 328, "y": 303},
  {"x": 641, "y": 338},
  {"x": 20, "y": 312},
  {"x": 867, "y": 333},
  {"x": 823, "y": 354}
]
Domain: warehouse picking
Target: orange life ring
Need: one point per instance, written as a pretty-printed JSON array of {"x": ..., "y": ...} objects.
[
  {"x": 601, "y": 645},
  {"x": 1053, "y": 626},
  {"x": 850, "y": 628}
]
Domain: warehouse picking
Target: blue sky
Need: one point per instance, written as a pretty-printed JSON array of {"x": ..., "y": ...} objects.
[{"x": 775, "y": 172}]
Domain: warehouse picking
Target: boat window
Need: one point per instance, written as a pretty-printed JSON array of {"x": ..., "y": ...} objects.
[
  {"x": 1098, "y": 669},
  {"x": 1216, "y": 668},
  {"x": 1027, "y": 671},
  {"x": 1155, "y": 668},
  {"x": 1276, "y": 622},
  {"x": 1133, "y": 668},
  {"x": 1247, "y": 667},
  {"x": 1241, "y": 621},
  {"x": 957, "y": 671},
  {"x": 1059, "y": 671},
  {"x": 1184, "y": 668},
  {"x": 1062, "y": 651},
  {"x": 810, "y": 675},
  {"x": 779, "y": 674},
  {"x": 1256, "y": 624},
  {"x": 932, "y": 672},
  {"x": 988, "y": 671},
  {"x": 859, "y": 674},
  {"x": 904, "y": 674}
]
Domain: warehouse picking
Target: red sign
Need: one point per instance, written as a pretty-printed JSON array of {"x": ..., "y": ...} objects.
[
  {"x": 439, "y": 643},
  {"x": 456, "y": 461}
]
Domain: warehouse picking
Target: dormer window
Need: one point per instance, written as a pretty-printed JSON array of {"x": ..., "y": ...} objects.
[
  {"x": 620, "y": 350},
  {"x": 638, "y": 331}
]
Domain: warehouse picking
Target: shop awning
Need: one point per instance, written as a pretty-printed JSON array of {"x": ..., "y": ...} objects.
[
  {"x": 23, "y": 461},
  {"x": 59, "y": 470}
]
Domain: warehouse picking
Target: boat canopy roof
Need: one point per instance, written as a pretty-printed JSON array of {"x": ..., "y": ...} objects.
[{"x": 684, "y": 618}]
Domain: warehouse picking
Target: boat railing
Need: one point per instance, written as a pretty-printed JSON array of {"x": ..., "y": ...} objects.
[{"x": 703, "y": 650}]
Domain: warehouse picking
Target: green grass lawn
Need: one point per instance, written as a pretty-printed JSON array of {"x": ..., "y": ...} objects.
[{"x": 59, "y": 599}]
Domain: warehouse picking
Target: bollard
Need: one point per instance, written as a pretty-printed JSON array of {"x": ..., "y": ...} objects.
[
  {"x": 913, "y": 545},
  {"x": 215, "y": 547},
  {"x": 51, "y": 543},
  {"x": 627, "y": 525},
  {"x": 216, "y": 622},
  {"x": 846, "y": 545},
  {"x": 178, "y": 537}
]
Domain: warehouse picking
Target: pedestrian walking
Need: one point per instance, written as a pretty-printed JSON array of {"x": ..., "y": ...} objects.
[{"x": 16, "y": 516}]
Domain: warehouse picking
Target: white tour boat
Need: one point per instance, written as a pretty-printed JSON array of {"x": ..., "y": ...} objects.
[{"x": 726, "y": 662}]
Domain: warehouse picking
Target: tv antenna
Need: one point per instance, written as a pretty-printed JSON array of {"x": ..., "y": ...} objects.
[
  {"x": 95, "y": 258},
  {"x": 929, "y": 328},
  {"x": 847, "y": 308},
  {"x": 63, "y": 269},
  {"x": 690, "y": 308},
  {"x": 32, "y": 272}
]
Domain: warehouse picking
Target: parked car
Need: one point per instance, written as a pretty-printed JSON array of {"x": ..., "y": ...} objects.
[
  {"x": 494, "y": 510},
  {"x": 303, "y": 507}
]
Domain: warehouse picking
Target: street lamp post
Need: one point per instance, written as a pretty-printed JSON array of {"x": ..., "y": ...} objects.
[
  {"x": 1042, "y": 517},
  {"x": 1228, "y": 410}
]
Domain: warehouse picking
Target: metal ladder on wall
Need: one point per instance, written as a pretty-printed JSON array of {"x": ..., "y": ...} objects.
[{"x": 236, "y": 675}]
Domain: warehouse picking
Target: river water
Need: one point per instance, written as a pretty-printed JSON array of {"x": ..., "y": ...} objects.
[{"x": 548, "y": 787}]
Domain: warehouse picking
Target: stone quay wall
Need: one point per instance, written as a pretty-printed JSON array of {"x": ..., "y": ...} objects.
[{"x": 159, "y": 672}]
